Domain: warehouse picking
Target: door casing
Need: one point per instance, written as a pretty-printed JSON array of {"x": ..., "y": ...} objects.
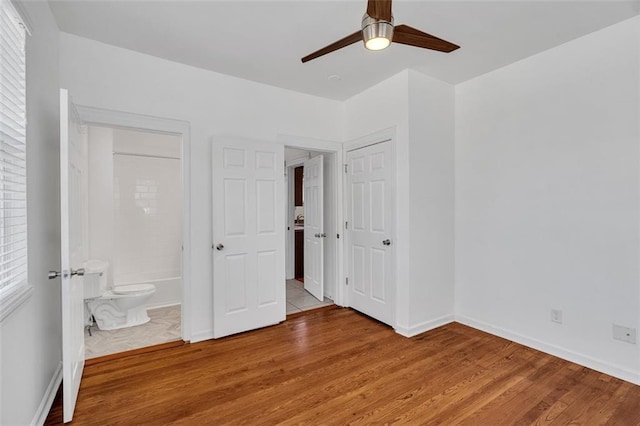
[{"x": 336, "y": 278}]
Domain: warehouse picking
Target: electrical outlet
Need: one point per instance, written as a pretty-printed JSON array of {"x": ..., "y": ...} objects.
[
  {"x": 556, "y": 316},
  {"x": 625, "y": 334}
]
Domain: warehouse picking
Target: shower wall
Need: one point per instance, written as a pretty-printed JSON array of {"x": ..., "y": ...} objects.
[{"x": 135, "y": 209}]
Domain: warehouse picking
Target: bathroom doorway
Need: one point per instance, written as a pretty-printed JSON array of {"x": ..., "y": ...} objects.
[
  {"x": 135, "y": 232},
  {"x": 311, "y": 237}
]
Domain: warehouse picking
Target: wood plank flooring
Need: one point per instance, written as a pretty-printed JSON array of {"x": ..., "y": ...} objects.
[{"x": 335, "y": 366}]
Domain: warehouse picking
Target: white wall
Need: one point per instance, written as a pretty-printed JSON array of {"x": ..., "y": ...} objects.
[
  {"x": 547, "y": 199},
  {"x": 30, "y": 336},
  {"x": 108, "y": 77},
  {"x": 431, "y": 171},
  {"x": 420, "y": 109}
]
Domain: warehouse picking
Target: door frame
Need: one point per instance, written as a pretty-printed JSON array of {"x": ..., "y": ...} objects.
[
  {"x": 289, "y": 252},
  {"x": 93, "y": 116},
  {"x": 335, "y": 148},
  {"x": 385, "y": 135}
]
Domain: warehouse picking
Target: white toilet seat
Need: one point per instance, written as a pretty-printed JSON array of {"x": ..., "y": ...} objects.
[{"x": 133, "y": 289}]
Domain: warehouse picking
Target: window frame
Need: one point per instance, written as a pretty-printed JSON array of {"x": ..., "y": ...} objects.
[{"x": 13, "y": 296}]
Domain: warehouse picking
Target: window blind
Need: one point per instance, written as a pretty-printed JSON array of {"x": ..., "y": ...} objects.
[{"x": 13, "y": 177}]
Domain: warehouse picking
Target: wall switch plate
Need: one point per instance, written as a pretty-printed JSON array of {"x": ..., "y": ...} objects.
[
  {"x": 556, "y": 316},
  {"x": 625, "y": 334}
]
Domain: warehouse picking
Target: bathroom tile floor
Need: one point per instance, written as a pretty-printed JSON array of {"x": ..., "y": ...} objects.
[
  {"x": 299, "y": 299},
  {"x": 163, "y": 327}
]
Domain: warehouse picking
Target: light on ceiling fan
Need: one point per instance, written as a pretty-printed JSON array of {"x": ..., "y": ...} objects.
[
  {"x": 377, "y": 43},
  {"x": 377, "y": 34}
]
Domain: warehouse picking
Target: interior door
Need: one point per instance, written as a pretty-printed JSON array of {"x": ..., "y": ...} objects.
[
  {"x": 73, "y": 248},
  {"x": 248, "y": 235},
  {"x": 314, "y": 227},
  {"x": 370, "y": 214}
]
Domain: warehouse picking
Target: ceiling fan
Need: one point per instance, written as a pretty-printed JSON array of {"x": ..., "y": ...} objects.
[{"x": 378, "y": 32}]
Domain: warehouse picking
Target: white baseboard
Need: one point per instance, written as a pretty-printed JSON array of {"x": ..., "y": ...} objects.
[
  {"x": 423, "y": 326},
  {"x": 166, "y": 305},
  {"x": 566, "y": 354},
  {"x": 49, "y": 396},
  {"x": 200, "y": 336}
]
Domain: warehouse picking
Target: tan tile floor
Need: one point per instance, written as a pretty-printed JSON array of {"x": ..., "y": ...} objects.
[
  {"x": 163, "y": 327},
  {"x": 298, "y": 299}
]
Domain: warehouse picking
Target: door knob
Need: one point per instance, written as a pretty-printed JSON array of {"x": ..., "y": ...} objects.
[
  {"x": 219, "y": 247},
  {"x": 317, "y": 235},
  {"x": 386, "y": 242},
  {"x": 55, "y": 274},
  {"x": 323, "y": 235}
]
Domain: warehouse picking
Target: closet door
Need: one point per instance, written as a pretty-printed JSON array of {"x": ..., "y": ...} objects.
[{"x": 370, "y": 214}]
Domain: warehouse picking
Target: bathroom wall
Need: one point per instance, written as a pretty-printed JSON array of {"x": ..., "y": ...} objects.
[{"x": 135, "y": 209}]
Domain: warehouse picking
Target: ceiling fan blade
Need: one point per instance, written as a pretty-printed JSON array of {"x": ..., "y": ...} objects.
[
  {"x": 379, "y": 9},
  {"x": 404, "y": 34},
  {"x": 343, "y": 42}
]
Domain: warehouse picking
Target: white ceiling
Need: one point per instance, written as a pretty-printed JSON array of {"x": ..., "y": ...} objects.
[{"x": 264, "y": 40}]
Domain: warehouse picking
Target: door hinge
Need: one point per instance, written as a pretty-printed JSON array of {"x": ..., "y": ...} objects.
[
  {"x": 338, "y": 236},
  {"x": 346, "y": 167},
  {"x": 347, "y": 280},
  {"x": 346, "y": 225}
]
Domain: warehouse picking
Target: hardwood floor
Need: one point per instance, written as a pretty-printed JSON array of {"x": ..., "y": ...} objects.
[{"x": 335, "y": 366}]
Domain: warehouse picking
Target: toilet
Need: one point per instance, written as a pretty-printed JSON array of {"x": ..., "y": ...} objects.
[{"x": 115, "y": 307}]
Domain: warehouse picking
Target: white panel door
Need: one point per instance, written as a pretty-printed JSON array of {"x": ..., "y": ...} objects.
[
  {"x": 248, "y": 236},
  {"x": 314, "y": 227},
  {"x": 73, "y": 248},
  {"x": 370, "y": 211}
]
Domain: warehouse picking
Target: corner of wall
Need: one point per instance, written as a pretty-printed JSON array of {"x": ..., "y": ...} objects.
[{"x": 431, "y": 168}]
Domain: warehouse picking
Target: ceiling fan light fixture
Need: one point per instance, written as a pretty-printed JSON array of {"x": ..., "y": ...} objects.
[
  {"x": 377, "y": 43},
  {"x": 377, "y": 34}
]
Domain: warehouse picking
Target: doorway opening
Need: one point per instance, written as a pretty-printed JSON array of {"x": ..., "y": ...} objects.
[
  {"x": 148, "y": 159},
  {"x": 311, "y": 221},
  {"x": 133, "y": 278}
]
